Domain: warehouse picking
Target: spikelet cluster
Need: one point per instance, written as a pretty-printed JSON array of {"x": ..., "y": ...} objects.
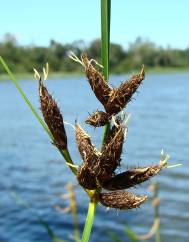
[
  {"x": 114, "y": 100},
  {"x": 98, "y": 170}
]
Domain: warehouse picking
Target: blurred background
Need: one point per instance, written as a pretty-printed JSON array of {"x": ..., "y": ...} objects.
[{"x": 33, "y": 174}]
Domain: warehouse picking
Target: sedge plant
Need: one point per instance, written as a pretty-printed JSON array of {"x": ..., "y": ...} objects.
[{"x": 98, "y": 170}]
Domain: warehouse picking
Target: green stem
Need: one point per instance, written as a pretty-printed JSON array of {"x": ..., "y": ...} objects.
[
  {"x": 76, "y": 227},
  {"x": 89, "y": 221},
  {"x": 106, "y": 131},
  {"x": 105, "y": 35},
  {"x": 156, "y": 214},
  {"x": 105, "y": 45},
  {"x": 158, "y": 236},
  {"x": 67, "y": 157},
  {"x": 74, "y": 211},
  {"x": 65, "y": 153}
]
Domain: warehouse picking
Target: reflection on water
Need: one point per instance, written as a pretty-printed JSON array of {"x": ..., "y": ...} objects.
[{"x": 33, "y": 169}]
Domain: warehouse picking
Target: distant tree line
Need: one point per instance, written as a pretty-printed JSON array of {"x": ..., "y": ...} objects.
[{"x": 22, "y": 59}]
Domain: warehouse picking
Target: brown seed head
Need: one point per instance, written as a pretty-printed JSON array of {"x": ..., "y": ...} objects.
[
  {"x": 121, "y": 200},
  {"x": 111, "y": 151},
  {"x": 85, "y": 178},
  {"x": 88, "y": 151},
  {"x": 98, "y": 119},
  {"x": 97, "y": 81},
  {"x": 120, "y": 96},
  {"x": 52, "y": 117},
  {"x": 131, "y": 177}
]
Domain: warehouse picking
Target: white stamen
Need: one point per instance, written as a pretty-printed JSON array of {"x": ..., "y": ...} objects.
[
  {"x": 69, "y": 124},
  {"x": 125, "y": 133},
  {"x": 172, "y": 166},
  {"x": 36, "y": 74},
  {"x": 162, "y": 152},
  {"x": 75, "y": 58},
  {"x": 96, "y": 62},
  {"x": 46, "y": 71},
  {"x": 127, "y": 119},
  {"x": 163, "y": 162},
  {"x": 114, "y": 122}
]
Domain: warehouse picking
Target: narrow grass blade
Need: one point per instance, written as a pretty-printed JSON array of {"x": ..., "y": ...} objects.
[
  {"x": 105, "y": 45},
  {"x": 130, "y": 234},
  {"x": 105, "y": 35},
  {"x": 51, "y": 234},
  {"x": 114, "y": 236}
]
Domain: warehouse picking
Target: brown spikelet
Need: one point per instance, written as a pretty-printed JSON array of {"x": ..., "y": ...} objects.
[
  {"x": 120, "y": 96},
  {"x": 97, "y": 81},
  {"x": 87, "y": 150},
  {"x": 131, "y": 177},
  {"x": 111, "y": 151},
  {"x": 52, "y": 117},
  {"x": 85, "y": 178},
  {"x": 121, "y": 200},
  {"x": 98, "y": 119}
]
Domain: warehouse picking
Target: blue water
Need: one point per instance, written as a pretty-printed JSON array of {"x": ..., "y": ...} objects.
[{"x": 33, "y": 172}]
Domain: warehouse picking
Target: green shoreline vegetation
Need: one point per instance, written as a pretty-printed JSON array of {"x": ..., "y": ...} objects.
[
  {"x": 64, "y": 75},
  {"x": 22, "y": 59}
]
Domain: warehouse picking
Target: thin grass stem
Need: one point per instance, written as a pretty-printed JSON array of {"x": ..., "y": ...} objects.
[
  {"x": 156, "y": 215},
  {"x": 89, "y": 221},
  {"x": 105, "y": 46}
]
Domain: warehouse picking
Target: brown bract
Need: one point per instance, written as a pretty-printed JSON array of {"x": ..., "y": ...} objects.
[
  {"x": 85, "y": 178},
  {"x": 97, "y": 81},
  {"x": 121, "y": 200},
  {"x": 98, "y": 119},
  {"x": 119, "y": 97},
  {"x": 131, "y": 177},
  {"x": 112, "y": 149},
  {"x": 87, "y": 173},
  {"x": 87, "y": 150},
  {"x": 52, "y": 117}
]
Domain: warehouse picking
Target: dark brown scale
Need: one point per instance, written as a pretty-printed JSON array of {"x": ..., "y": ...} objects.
[
  {"x": 120, "y": 96},
  {"x": 121, "y": 200},
  {"x": 98, "y": 119},
  {"x": 52, "y": 117},
  {"x": 88, "y": 151},
  {"x": 111, "y": 152},
  {"x": 85, "y": 178},
  {"x": 131, "y": 178},
  {"x": 97, "y": 81},
  {"x": 86, "y": 148}
]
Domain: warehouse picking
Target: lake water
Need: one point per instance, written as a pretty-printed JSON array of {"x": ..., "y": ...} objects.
[{"x": 33, "y": 170}]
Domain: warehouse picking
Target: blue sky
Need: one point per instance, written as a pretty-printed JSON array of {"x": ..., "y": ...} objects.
[{"x": 164, "y": 22}]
